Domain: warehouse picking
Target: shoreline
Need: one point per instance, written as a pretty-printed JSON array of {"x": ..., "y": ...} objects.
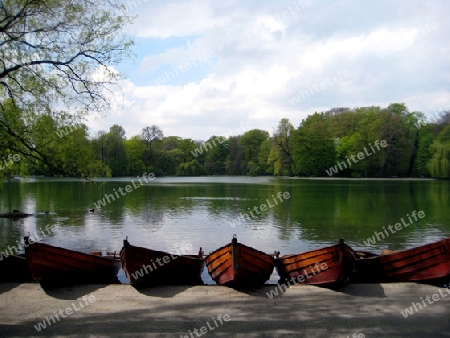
[
  {"x": 369, "y": 178},
  {"x": 25, "y": 178},
  {"x": 179, "y": 311}
]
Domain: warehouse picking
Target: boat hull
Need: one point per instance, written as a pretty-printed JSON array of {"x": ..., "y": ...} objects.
[
  {"x": 14, "y": 269},
  {"x": 54, "y": 266},
  {"x": 237, "y": 265},
  {"x": 147, "y": 267},
  {"x": 329, "y": 266},
  {"x": 427, "y": 263}
]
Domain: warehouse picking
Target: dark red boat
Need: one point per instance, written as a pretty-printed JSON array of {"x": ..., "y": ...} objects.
[
  {"x": 427, "y": 264},
  {"x": 239, "y": 266},
  {"x": 54, "y": 266},
  {"x": 14, "y": 269},
  {"x": 330, "y": 266},
  {"x": 146, "y": 267}
]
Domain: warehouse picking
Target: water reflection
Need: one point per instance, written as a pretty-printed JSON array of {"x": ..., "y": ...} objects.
[{"x": 168, "y": 213}]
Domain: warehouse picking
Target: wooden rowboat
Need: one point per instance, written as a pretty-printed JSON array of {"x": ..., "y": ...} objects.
[
  {"x": 54, "y": 266},
  {"x": 14, "y": 269},
  {"x": 330, "y": 266},
  {"x": 428, "y": 263},
  {"x": 146, "y": 267},
  {"x": 239, "y": 266}
]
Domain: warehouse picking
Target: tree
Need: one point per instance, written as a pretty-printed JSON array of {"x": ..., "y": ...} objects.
[
  {"x": 18, "y": 130},
  {"x": 346, "y": 147},
  {"x": 251, "y": 143},
  {"x": 116, "y": 150},
  {"x": 170, "y": 156},
  {"x": 100, "y": 144},
  {"x": 57, "y": 53},
  {"x": 439, "y": 164},
  {"x": 77, "y": 155},
  {"x": 187, "y": 146},
  {"x": 397, "y": 128},
  {"x": 263, "y": 156},
  {"x": 425, "y": 140},
  {"x": 275, "y": 162},
  {"x": 135, "y": 149},
  {"x": 192, "y": 168},
  {"x": 118, "y": 132},
  {"x": 313, "y": 147},
  {"x": 344, "y": 121},
  {"x": 281, "y": 141},
  {"x": 148, "y": 136},
  {"x": 216, "y": 155},
  {"x": 234, "y": 161}
]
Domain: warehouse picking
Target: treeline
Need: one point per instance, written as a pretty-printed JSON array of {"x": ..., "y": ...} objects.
[{"x": 331, "y": 139}]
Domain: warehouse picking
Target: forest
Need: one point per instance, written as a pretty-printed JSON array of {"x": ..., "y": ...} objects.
[{"x": 60, "y": 145}]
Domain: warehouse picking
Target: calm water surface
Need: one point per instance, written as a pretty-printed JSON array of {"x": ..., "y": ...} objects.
[{"x": 172, "y": 213}]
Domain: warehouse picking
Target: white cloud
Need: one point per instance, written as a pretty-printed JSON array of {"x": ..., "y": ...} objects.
[
  {"x": 261, "y": 60},
  {"x": 174, "y": 18},
  {"x": 104, "y": 74}
]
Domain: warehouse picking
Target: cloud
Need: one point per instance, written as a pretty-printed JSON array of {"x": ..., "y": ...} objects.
[
  {"x": 264, "y": 53},
  {"x": 173, "y": 18}
]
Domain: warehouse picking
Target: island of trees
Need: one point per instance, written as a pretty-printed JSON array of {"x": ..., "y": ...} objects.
[{"x": 413, "y": 148}]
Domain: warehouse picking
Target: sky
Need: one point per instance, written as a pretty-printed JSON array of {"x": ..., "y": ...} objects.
[{"x": 220, "y": 68}]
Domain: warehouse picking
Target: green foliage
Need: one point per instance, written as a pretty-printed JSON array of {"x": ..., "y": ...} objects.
[
  {"x": 134, "y": 149},
  {"x": 234, "y": 163},
  {"x": 57, "y": 143},
  {"x": 57, "y": 53},
  {"x": 281, "y": 157},
  {"x": 355, "y": 131},
  {"x": 63, "y": 52},
  {"x": 77, "y": 155},
  {"x": 439, "y": 164},
  {"x": 424, "y": 153},
  {"x": 192, "y": 168},
  {"x": 251, "y": 142},
  {"x": 263, "y": 157},
  {"x": 313, "y": 148},
  {"x": 215, "y": 156},
  {"x": 444, "y": 135}
]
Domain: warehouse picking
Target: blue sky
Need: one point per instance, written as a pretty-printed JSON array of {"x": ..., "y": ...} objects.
[{"x": 204, "y": 68}]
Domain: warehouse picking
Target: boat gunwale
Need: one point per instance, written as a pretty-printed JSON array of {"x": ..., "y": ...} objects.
[
  {"x": 239, "y": 243},
  {"x": 73, "y": 254},
  {"x": 165, "y": 253}
]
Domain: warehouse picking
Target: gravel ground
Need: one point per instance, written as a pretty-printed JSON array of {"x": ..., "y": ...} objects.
[{"x": 172, "y": 311}]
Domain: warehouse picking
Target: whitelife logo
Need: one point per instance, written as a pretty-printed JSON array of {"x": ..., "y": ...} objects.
[
  {"x": 261, "y": 208},
  {"x": 318, "y": 87},
  {"x": 205, "y": 329},
  {"x": 108, "y": 198},
  {"x": 82, "y": 302},
  {"x": 398, "y": 226},
  {"x": 361, "y": 155}
]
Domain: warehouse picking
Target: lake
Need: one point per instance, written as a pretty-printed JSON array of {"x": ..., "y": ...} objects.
[{"x": 175, "y": 213}]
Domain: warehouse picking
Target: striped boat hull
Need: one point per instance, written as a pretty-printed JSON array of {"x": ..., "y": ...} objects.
[
  {"x": 237, "y": 265},
  {"x": 326, "y": 266},
  {"x": 426, "y": 263}
]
